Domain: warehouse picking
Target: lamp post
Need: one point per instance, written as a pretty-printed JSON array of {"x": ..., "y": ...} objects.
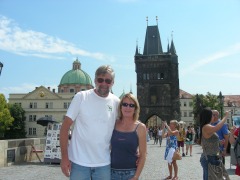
[
  {"x": 1, "y": 66},
  {"x": 221, "y": 101}
]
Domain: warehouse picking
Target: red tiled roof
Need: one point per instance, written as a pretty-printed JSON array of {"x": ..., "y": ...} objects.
[
  {"x": 184, "y": 95},
  {"x": 232, "y": 100}
]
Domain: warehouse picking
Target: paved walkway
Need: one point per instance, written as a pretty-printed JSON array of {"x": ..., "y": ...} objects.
[{"x": 155, "y": 168}]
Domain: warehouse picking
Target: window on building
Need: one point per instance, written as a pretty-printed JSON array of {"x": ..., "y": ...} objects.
[
  {"x": 66, "y": 105},
  {"x": 185, "y": 114},
  {"x": 34, "y": 131},
  {"x": 30, "y": 131},
  {"x": 144, "y": 77},
  {"x": 71, "y": 90},
  {"x": 161, "y": 76},
  {"x": 20, "y": 104},
  {"x": 49, "y": 105},
  {"x": 185, "y": 104},
  {"x": 227, "y": 121},
  {"x": 35, "y": 105},
  {"x": 147, "y": 76},
  {"x": 34, "y": 117},
  {"x": 190, "y": 114},
  {"x": 30, "y": 117}
]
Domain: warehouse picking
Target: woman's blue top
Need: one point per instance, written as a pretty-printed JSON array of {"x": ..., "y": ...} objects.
[{"x": 124, "y": 149}]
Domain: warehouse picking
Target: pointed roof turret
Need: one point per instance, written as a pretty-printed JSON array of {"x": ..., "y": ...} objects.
[
  {"x": 168, "y": 50},
  {"x": 152, "y": 43},
  {"x": 136, "y": 52},
  {"x": 172, "y": 49}
]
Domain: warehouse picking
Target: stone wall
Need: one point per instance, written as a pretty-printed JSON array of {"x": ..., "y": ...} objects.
[{"x": 18, "y": 150}]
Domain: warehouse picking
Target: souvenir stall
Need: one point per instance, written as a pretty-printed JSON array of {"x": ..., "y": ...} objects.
[{"x": 52, "y": 153}]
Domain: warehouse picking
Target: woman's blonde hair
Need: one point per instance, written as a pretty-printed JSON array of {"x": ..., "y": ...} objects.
[
  {"x": 137, "y": 106},
  {"x": 176, "y": 123}
]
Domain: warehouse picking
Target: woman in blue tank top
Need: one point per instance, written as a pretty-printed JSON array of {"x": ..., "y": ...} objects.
[{"x": 128, "y": 143}]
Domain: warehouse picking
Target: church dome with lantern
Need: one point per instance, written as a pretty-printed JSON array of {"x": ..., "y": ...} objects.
[{"x": 75, "y": 80}]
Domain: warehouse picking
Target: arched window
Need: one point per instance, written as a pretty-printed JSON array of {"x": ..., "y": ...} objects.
[{"x": 161, "y": 76}]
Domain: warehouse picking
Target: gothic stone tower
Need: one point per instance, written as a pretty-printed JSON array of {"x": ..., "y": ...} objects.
[{"x": 157, "y": 78}]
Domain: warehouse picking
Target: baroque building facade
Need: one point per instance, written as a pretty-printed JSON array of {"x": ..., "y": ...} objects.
[{"x": 44, "y": 102}]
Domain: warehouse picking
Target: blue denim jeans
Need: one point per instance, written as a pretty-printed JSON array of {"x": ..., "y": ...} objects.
[
  {"x": 211, "y": 159},
  {"x": 79, "y": 172},
  {"x": 122, "y": 174}
]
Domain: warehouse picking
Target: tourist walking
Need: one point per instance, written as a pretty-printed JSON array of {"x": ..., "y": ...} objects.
[
  {"x": 189, "y": 140},
  {"x": 181, "y": 138},
  {"x": 160, "y": 131}
]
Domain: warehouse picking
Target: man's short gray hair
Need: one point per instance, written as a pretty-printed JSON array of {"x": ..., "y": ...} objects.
[{"x": 105, "y": 69}]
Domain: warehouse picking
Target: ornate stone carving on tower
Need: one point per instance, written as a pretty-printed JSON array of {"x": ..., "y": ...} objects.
[{"x": 157, "y": 78}]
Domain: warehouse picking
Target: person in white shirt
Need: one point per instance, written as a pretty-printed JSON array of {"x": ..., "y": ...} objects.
[
  {"x": 93, "y": 113},
  {"x": 160, "y": 136}
]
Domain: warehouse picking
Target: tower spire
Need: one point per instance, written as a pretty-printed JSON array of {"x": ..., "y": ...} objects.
[
  {"x": 168, "y": 46},
  {"x": 157, "y": 20},
  {"x": 136, "y": 52},
  {"x": 172, "y": 47},
  {"x": 147, "y": 20}
]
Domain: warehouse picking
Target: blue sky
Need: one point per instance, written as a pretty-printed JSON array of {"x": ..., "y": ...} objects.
[{"x": 39, "y": 40}]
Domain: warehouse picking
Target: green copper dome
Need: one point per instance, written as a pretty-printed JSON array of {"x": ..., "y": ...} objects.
[{"x": 76, "y": 76}]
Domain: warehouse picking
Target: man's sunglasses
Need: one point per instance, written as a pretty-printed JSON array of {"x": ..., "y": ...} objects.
[
  {"x": 130, "y": 105},
  {"x": 100, "y": 80}
]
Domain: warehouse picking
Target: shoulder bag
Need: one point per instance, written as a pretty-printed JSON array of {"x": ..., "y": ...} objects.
[
  {"x": 176, "y": 155},
  {"x": 216, "y": 172}
]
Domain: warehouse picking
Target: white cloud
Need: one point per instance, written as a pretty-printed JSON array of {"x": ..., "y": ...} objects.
[
  {"x": 235, "y": 49},
  {"x": 32, "y": 43}
]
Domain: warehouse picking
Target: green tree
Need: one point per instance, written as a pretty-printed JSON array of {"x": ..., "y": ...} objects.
[
  {"x": 212, "y": 101},
  {"x": 17, "y": 129},
  {"x": 201, "y": 101},
  {"x": 5, "y": 117},
  {"x": 197, "y": 107}
]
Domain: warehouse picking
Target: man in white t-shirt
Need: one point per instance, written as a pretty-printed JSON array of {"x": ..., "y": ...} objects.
[{"x": 93, "y": 113}]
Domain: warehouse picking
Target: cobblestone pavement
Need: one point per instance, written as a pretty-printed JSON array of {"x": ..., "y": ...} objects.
[{"x": 155, "y": 167}]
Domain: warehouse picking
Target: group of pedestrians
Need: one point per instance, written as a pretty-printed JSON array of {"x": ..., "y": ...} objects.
[
  {"x": 212, "y": 143},
  {"x": 156, "y": 134},
  {"x": 109, "y": 142},
  {"x": 185, "y": 137},
  {"x": 215, "y": 138}
]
